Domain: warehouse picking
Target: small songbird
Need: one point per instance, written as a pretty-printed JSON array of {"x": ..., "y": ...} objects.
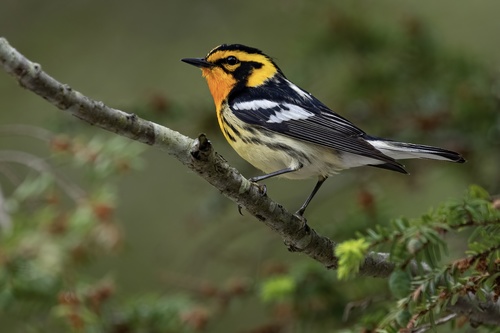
[{"x": 285, "y": 131}]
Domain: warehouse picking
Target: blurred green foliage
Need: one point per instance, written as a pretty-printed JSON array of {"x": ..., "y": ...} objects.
[
  {"x": 351, "y": 254},
  {"x": 396, "y": 80},
  {"x": 423, "y": 282}
]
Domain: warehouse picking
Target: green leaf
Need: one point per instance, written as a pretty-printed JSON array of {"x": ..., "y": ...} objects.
[
  {"x": 277, "y": 288},
  {"x": 33, "y": 186},
  {"x": 403, "y": 317},
  {"x": 432, "y": 320},
  {"x": 351, "y": 254},
  {"x": 476, "y": 191},
  {"x": 400, "y": 283}
]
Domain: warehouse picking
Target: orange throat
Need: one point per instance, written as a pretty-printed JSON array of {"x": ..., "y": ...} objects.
[{"x": 219, "y": 83}]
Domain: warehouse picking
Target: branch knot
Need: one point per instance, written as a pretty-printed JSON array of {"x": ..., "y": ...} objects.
[{"x": 202, "y": 148}]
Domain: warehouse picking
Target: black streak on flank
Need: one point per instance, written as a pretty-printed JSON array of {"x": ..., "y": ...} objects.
[
  {"x": 229, "y": 136},
  {"x": 231, "y": 126}
]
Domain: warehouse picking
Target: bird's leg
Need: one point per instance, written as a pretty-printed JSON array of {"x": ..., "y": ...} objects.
[
  {"x": 275, "y": 173},
  {"x": 263, "y": 188},
  {"x": 300, "y": 212}
]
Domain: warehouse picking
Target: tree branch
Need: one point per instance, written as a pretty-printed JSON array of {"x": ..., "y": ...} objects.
[{"x": 199, "y": 156}]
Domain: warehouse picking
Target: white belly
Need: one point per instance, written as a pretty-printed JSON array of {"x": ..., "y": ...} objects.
[{"x": 278, "y": 152}]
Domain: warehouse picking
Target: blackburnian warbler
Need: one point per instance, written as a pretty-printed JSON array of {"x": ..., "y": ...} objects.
[{"x": 285, "y": 131}]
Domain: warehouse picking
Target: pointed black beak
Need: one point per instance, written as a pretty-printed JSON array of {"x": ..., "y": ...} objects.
[{"x": 198, "y": 62}]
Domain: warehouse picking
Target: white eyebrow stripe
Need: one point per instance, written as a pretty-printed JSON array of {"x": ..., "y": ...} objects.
[
  {"x": 255, "y": 105},
  {"x": 294, "y": 112}
]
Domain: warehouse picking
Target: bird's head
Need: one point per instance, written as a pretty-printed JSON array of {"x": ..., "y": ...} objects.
[{"x": 233, "y": 66}]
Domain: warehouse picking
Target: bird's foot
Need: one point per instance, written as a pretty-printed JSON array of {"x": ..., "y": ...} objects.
[
  {"x": 262, "y": 187},
  {"x": 262, "y": 191},
  {"x": 303, "y": 220},
  {"x": 239, "y": 209}
]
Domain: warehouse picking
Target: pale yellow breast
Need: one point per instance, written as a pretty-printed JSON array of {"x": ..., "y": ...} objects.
[{"x": 266, "y": 153}]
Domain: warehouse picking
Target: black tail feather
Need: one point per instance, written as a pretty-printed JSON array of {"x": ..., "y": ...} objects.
[{"x": 392, "y": 167}]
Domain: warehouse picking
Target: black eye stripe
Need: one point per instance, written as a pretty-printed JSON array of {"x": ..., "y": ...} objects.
[{"x": 256, "y": 64}]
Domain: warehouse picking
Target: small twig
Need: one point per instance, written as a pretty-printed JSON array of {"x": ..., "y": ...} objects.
[
  {"x": 362, "y": 304},
  {"x": 27, "y": 130},
  {"x": 5, "y": 220},
  {"x": 473, "y": 223},
  {"x": 440, "y": 321},
  {"x": 38, "y": 164}
]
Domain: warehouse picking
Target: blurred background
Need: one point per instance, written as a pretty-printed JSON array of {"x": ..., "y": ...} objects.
[{"x": 107, "y": 235}]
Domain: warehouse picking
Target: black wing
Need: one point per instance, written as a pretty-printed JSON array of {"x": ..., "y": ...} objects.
[{"x": 282, "y": 107}]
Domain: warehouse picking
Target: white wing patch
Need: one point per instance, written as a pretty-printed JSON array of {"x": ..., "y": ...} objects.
[
  {"x": 279, "y": 112},
  {"x": 294, "y": 112},
  {"x": 255, "y": 105},
  {"x": 302, "y": 93}
]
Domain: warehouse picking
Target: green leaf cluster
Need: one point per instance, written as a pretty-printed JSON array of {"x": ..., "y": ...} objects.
[{"x": 426, "y": 281}]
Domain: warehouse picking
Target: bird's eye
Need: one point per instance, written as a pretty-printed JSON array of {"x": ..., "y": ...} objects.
[{"x": 232, "y": 60}]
